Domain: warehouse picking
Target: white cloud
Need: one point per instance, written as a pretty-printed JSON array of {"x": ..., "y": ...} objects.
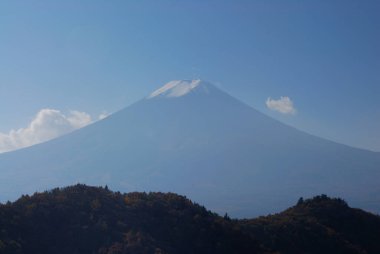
[
  {"x": 103, "y": 115},
  {"x": 79, "y": 119},
  {"x": 47, "y": 124},
  {"x": 283, "y": 105}
]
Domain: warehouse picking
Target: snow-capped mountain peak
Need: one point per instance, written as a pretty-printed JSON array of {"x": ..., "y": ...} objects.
[
  {"x": 192, "y": 138},
  {"x": 178, "y": 88}
]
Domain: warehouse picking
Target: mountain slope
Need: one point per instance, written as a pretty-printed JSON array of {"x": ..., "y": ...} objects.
[
  {"x": 191, "y": 138},
  {"x": 83, "y": 219}
]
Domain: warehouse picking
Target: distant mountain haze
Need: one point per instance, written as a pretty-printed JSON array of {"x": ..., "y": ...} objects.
[{"x": 191, "y": 138}]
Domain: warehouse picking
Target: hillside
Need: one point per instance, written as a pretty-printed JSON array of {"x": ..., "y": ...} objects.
[
  {"x": 318, "y": 225},
  {"x": 83, "y": 219}
]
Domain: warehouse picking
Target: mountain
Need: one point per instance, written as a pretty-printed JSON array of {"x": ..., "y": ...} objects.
[
  {"x": 83, "y": 219},
  {"x": 191, "y": 138}
]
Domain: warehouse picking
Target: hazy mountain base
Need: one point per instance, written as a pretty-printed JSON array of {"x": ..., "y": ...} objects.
[{"x": 82, "y": 219}]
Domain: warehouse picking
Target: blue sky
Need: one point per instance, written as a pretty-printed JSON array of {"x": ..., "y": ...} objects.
[{"x": 100, "y": 56}]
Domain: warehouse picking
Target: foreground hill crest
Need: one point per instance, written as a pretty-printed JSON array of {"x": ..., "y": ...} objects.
[{"x": 86, "y": 220}]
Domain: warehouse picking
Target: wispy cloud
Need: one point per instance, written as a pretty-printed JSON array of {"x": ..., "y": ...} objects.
[
  {"x": 46, "y": 125},
  {"x": 103, "y": 115},
  {"x": 283, "y": 105}
]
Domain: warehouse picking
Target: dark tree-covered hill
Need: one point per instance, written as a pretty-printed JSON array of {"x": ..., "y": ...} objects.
[
  {"x": 83, "y": 219},
  {"x": 318, "y": 225}
]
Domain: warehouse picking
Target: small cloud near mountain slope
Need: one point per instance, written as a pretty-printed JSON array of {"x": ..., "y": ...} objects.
[{"x": 284, "y": 105}]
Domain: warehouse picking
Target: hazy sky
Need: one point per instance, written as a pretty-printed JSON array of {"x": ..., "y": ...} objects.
[{"x": 316, "y": 63}]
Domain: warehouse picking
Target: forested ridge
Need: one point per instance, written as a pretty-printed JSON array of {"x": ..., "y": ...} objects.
[{"x": 84, "y": 219}]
